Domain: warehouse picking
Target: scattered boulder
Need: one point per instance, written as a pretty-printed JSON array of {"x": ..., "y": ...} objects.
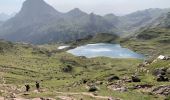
[
  {"x": 162, "y": 90},
  {"x": 160, "y": 71},
  {"x": 162, "y": 78},
  {"x": 135, "y": 78},
  {"x": 112, "y": 78},
  {"x": 93, "y": 88},
  {"x": 161, "y": 74}
]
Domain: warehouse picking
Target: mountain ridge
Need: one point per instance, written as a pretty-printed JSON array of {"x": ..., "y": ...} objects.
[{"x": 43, "y": 24}]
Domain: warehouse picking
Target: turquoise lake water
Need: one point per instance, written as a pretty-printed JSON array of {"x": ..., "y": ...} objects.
[{"x": 104, "y": 50}]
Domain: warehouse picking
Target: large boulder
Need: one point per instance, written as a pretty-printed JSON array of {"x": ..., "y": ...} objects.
[{"x": 93, "y": 88}]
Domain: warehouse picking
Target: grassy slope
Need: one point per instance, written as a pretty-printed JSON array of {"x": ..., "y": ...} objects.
[{"x": 22, "y": 64}]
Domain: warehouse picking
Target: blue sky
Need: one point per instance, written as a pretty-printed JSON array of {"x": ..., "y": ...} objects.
[{"x": 97, "y": 6}]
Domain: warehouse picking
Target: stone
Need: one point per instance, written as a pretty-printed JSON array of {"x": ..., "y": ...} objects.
[
  {"x": 162, "y": 90},
  {"x": 162, "y": 78},
  {"x": 135, "y": 79},
  {"x": 159, "y": 71},
  {"x": 112, "y": 78},
  {"x": 92, "y": 89}
]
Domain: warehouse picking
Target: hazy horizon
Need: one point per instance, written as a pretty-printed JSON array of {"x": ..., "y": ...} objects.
[{"x": 101, "y": 7}]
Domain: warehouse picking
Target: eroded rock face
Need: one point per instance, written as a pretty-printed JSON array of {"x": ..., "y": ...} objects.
[{"x": 162, "y": 90}]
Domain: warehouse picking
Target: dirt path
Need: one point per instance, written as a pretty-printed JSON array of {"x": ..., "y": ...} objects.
[
  {"x": 85, "y": 94},
  {"x": 64, "y": 96}
]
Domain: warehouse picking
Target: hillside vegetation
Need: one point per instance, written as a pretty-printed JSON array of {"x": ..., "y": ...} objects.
[{"x": 58, "y": 72}]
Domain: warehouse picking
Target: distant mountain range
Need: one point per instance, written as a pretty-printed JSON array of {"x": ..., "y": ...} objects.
[{"x": 37, "y": 22}]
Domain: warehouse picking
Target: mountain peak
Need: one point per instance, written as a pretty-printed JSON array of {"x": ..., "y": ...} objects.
[
  {"x": 110, "y": 15},
  {"x": 76, "y": 12},
  {"x": 76, "y": 9},
  {"x": 33, "y": 2},
  {"x": 37, "y": 7},
  {"x": 34, "y": 11}
]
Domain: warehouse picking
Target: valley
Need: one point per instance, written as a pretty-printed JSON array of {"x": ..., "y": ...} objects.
[
  {"x": 22, "y": 64},
  {"x": 84, "y": 56}
]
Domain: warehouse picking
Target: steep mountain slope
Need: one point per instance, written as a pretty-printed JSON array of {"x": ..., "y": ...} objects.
[
  {"x": 33, "y": 15},
  {"x": 153, "y": 39},
  {"x": 38, "y": 22},
  {"x": 163, "y": 21},
  {"x": 133, "y": 22},
  {"x": 157, "y": 29}
]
